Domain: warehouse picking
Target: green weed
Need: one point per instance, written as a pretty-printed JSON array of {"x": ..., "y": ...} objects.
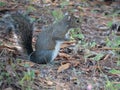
[
  {"x": 57, "y": 14},
  {"x": 2, "y": 4}
]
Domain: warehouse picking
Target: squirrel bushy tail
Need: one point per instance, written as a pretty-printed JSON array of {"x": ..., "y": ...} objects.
[
  {"x": 25, "y": 31},
  {"x": 22, "y": 30}
]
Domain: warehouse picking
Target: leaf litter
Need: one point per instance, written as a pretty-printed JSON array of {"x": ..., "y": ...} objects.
[{"x": 85, "y": 64}]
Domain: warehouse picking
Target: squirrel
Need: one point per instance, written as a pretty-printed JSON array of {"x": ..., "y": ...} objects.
[{"x": 49, "y": 39}]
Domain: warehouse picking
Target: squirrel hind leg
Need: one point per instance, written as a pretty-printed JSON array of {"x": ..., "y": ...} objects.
[{"x": 41, "y": 57}]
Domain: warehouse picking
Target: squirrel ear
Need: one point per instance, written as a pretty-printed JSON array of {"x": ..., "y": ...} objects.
[
  {"x": 69, "y": 17},
  {"x": 66, "y": 14}
]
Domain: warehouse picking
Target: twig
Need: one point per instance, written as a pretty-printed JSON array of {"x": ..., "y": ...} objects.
[{"x": 108, "y": 48}]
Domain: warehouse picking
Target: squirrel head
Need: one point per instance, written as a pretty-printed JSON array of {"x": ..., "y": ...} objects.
[{"x": 73, "y": 21}]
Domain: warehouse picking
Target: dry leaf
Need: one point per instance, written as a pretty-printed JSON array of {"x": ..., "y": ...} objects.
[
  {"x": 8, "y": 88},
  {"x": 49, "y": 83},
  {"x": 106, "y": 57},
  {"x": 64, "y": 55},
  {"x": 47, "y": 1},
  {"x": 37, "y": 72},
  {"x": 72, "y": 62},
  {"x": 64, "y": 45},
  {"x": 74, "y": 78},
  {"x": 67, "y": 44},
  {"x": 58, "y": 87},
  {"x": 63, "y": 67},
  {"x": 75, "y": 63},
  {"x": 27, "y": 63}
]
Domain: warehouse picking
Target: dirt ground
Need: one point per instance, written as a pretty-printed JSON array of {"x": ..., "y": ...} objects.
[{"x": 90, "y": 61}]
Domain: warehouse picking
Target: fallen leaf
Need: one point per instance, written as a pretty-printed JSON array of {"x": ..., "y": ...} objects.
[
  {"x": 64, "y": 45},
  {"x": 50, "y": 83},
  {"x": 74, "y": 78},
  {"x": 64, "y": 55},
  {"x": 106, "y": 57},
  {"x": 37, "y": 72},
  {"x": 8, "y": 88},
  {"x": 67, "y": 44},
  {"x": 27, "y": 63},
  {"x": 72, "y": 62},
  {"x": 63, "y": 67},
  {"x": 75, "y": 63},
  {"x": 58, "y": 87}
]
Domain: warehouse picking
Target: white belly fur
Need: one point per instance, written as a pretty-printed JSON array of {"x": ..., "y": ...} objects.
[{"x": 56, "y": 51}]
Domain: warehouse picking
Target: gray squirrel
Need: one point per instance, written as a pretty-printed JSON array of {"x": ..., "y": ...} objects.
[{"x": 49, "y": 40}]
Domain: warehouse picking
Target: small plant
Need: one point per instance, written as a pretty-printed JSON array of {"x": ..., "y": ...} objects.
[
  {"x": 2, "y": 4},
  {"x": 77, "y": 34},
  {"x": 112, "y": 86},
  {"x": 98, "y": 56},
  {"x": 114, "y": 71},
  {"x": 92, "y": 44},
  {"x": 57, "y": 14},
  {"x": 118, "y": 62},
  {"x": 30, "y": 9},
  {"x": 64, "y": 3},
  {"x": 5, "y": 75},
  {"x": 109, "y": 24},
  {"x": 27, "y": 79}
]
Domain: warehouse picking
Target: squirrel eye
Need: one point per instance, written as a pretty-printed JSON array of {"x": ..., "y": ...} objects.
[{"x": 77, "y": 21}]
